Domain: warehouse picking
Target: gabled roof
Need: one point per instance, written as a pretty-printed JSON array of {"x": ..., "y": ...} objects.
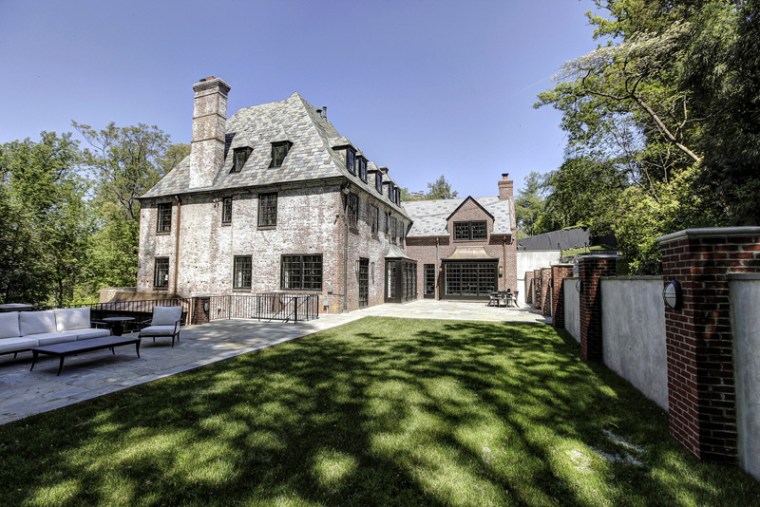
[
  {"x": 311, "y": 156},
  {"x": 430, "y": 217},
  {"x": 469, "y": 198}
]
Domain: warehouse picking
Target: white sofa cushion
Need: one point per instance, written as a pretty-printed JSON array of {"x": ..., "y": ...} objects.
[
  {"x": 16, "y": 344},
  {"x": 68, "y": 319},
  {"x": 157, "y": 331},
  {"x": 36, "y": 322},
  {"x": 86, "y": 334},
  {"x": 9, "y": 325},
  {"x": 51, "y": 338},
  {"x": 166, "y": 315}
]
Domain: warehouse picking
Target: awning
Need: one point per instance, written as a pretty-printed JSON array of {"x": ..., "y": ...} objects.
[
  {"x": 462, "y": 253},
  {"x": 394, "y": 252}
]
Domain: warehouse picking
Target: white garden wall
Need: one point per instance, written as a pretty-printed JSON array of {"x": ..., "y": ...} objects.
[
  {"x": 745, "y": 323},
  {"x": 633, "y": 329},
  {"x": 572, "y": 308},
  {"x": 528, "y": 260}
]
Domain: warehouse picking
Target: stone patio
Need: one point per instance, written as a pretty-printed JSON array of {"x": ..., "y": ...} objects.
[{"x": 24, "y": 393}]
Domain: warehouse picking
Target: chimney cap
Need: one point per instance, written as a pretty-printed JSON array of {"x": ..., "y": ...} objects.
[{"x": 505, "y": 175}]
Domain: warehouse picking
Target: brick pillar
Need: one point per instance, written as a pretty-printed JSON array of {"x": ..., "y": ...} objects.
[
  {"x": 591, "y": 269},
  {"x": 537, "y": 289},
  {"x": 528, "y": 293},
  {"x": 546, "y": 297},
  {"x": 701, "y": 391},
  {"x": 199, "y": 314},
  {"x": 559, "y": 273}
]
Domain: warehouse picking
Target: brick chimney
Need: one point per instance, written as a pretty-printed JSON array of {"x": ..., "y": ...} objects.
[
  {"x": 209, "y": 120},
  {"x": 506, "y": 187}
]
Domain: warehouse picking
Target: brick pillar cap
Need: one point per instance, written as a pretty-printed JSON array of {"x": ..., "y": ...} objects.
[
  {"x": 563, "y": 265},
  {"x": 743, "y": 276},
  {"x": 708, "y": 232}
]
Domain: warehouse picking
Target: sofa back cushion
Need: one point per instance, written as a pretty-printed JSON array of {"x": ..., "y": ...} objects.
[
  {"x": 166, "y": 315},
  {"x": 69, "y": 319},
  {"x": 36, "y": 322},
  {"x": 9, "y": 325}
]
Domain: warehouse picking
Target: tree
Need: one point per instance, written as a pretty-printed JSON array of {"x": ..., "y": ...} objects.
[
  {"x": 529, "y": 205},
  {"x": 669, "y": 101},
  {"x": 440, "y": 189},
  {"x": 46, "y": 221},
  {"x": 124, "y": 163}
]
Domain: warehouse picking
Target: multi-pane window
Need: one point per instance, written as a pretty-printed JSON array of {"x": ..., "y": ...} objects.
[
  {"x": 374, "y": 218},
  {"x": 279, "y": 152},
  {"x": 351, "y": 160},
  {"x": 390, "y": 191},
  {"x": 301, "y": 272},
  {"x": 393, "y": 230},
  {"x": 363, "y": 169},
  {"x": 227, "y": 211},
  {"x": 239, "y": 158},
  {"x": 164, "y": 218},
  {"x": 401, "y": 229},
  {"x": 468, "y": 231},
  {"x": 161, "y": 273},
  {"x": 398, "y": 196},
  {"x": 241, "y": 272},
  {"x": 379, "y": 182},
  {"x": 353, "y": 210},
  {"x": 387, "y": 225},
  {"x": 267, "y": 210}
]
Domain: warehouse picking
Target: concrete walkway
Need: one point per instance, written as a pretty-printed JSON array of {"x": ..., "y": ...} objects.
[{"x": 24, "y": 393}]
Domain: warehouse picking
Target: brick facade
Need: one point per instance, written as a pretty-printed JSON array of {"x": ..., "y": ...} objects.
[
  {"x": 559, "y": 273},
  {"x": 591, "y": 269},
  {"x": 537, "y": 289},
  {"x": 701, "y": 392}
]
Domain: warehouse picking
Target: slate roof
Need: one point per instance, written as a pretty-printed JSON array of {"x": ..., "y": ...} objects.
[
  {"x": 430, "y": 216},
  {"x": 310, "y": 157}
]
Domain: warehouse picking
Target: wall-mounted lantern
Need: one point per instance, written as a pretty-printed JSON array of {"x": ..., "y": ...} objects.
[
  {"x": 205, "y": 306},
  {"x": 358, "y": 266},
  {"x": 551, "y": 282},
  {"x": 501, "y": 271},
  {"x": 672, "y": 295},
  {"x": 579, "y": 286}
]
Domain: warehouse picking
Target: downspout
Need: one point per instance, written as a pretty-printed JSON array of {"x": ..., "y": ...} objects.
[
  {"x": 178, "y": 200},
  {"x": 504, "y": 260},
  {"x": 345, "y": 251},
  {"x": 437, "y": 269}
]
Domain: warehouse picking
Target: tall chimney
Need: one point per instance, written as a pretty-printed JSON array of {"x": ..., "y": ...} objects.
[
  {"x": 506, "y": 187},
  {"x": 209, "y": 120}
]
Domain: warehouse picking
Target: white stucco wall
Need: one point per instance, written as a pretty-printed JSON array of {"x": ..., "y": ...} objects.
[
  {"x": 633, "y": 329},
  {"x": 528, "y": 260},
  {"x": 745, "y": 323},
  {"x": 572, "y": 308}
]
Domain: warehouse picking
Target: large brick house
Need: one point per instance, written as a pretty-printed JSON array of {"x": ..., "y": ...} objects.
[{"x": 274, "y": 199}]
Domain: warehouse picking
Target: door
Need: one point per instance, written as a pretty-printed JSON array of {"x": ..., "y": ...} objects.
[
  {"x": 470, "y": 279},
  {"x": 429, "y": 280},
  {"x": 363, "y": 283}
]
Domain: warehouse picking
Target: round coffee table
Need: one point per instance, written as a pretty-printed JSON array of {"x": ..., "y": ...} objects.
[{"x": 117, "y": 324}]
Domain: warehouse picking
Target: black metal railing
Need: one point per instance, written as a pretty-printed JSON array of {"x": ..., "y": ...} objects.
[
  {"x": 271, "y": 306},
  {"x": 141, "y": 310}
]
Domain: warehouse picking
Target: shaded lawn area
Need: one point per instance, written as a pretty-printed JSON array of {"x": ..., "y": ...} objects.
[{"x": 377, "y": 412}]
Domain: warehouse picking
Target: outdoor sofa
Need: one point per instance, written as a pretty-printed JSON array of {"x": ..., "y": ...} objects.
[{"x": 21, "y": 331}]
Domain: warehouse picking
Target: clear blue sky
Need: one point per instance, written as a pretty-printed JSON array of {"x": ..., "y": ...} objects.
[{"x": 425, "y": 87}]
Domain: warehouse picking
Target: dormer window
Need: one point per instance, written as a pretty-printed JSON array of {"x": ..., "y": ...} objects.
[
  {"x": 239, "y": 158},
  {"x": 391, "y": 186},
  {"x": 280, "y": 150},
  {"x": 362, "y": 162},
  {"x": 397, "y": 197},
  {"x": 379, "y": 182},
  {"x": 351, "y": 160}
]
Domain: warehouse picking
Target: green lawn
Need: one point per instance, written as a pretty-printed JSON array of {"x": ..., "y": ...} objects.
[{"x": 377, "y": 412}]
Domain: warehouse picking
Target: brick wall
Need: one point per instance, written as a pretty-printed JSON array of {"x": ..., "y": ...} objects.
[
  {"x": 701, "y": 392},
  {"x": 559, "y": 273},
  {"x": 591, "y": 269},
  {"x": 537, "y": 289},
  {"x": 528, "y": 287},
  {"x": 546, "y": 291},
  {"x": 198, "y": 313}
]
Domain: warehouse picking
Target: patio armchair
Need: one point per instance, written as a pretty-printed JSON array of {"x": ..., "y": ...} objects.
[{"x": 165, "y": 323}]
